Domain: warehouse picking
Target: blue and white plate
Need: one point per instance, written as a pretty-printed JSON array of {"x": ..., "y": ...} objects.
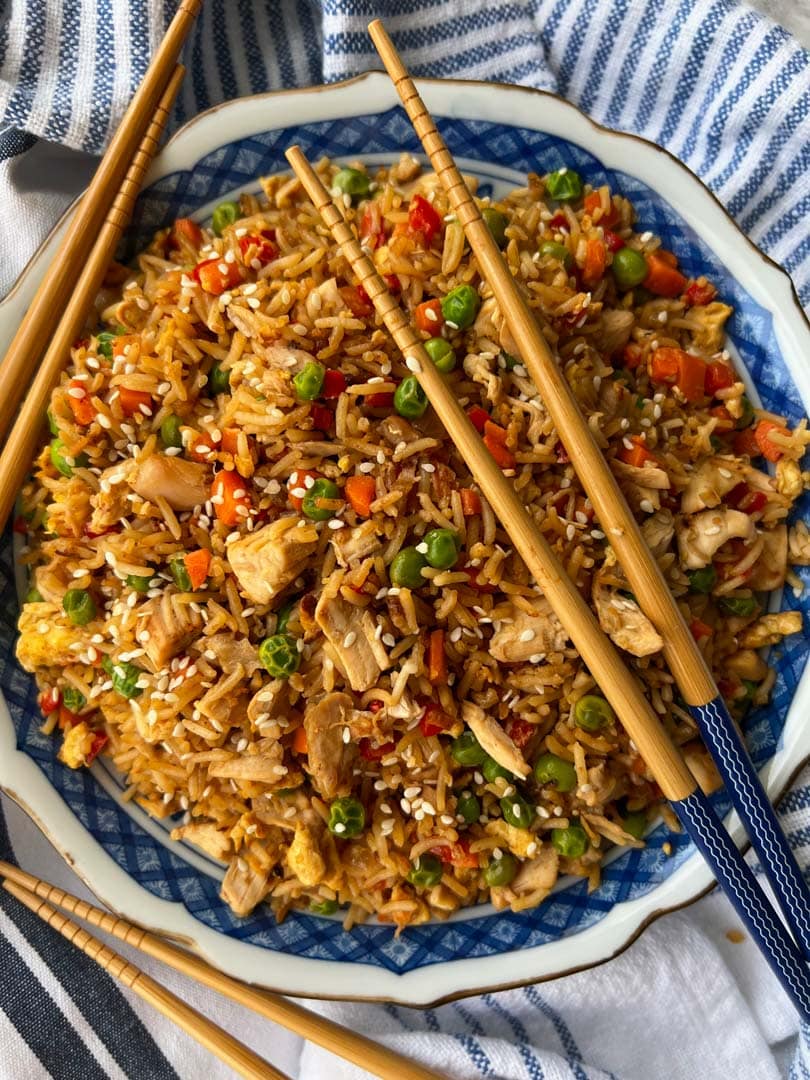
[{"x": 127, "y": 858}]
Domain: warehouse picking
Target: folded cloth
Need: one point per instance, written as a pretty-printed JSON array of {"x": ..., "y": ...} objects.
[{"x": 723, "y": 88}]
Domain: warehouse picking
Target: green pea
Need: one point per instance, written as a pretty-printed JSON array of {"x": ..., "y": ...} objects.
[
  {"x": 283, "y": 615},
  {"x": 747, "y": 416},
  {"x": 635, "y": 824},
  {"x": 225, "y": 214},
  {"x": 460, "y": 306},
  {"x": 551, "y": 249},
  {"x": 279, "y": 655},
  {"x": 551, "y": 769},
  {"x": 702, "y": 581},
  {"x": 177, "y": 569},
  {"x": 347, "y": 818},
  {"x": 516, "y": 811},
  {"x": 406, "y": 568},
  {"x": 571, "y": 842},
  {"x": 308, "y": 382},
  {"x": 63, "y": 462},
  {"x": 442, "y": 354},
  {"x": 496, "y": 223},
  {"x": 73, "y": 699},
  {"x": 410, "y": 399},
  {"x": 492, "y": 770},
  {"x": 716, "y": 444},
  {"x": 124, "y": 677},
  {"x": 311, "y": 502},
  {"x": 564, "y": 185},
  {"x": 467, "y": 750},
  {"x": 443, "y": 546},
  {"x": 323, "y": 907},
  {"x": 138, "y": 583},
  {"x": 592, "y": 712},
  {"x": 53, "y": 427},
  {"x": 104, "y": 342},
  {"x": 352, "y": 182},
  {"x": 469, "y": 807},
  {"x": 426, "y": 871},
  {"x": 219, "y": 381},
  {"x": 500, "y": 871},
  {"x": 79, "y": 606},
  {"x": 750, "y": 689},
  {"x": 629, "y": 268},
  {"x": 34, "y": 596},
  {"x": 739, "y": 605},
  {"x": 170, "y": 431}
]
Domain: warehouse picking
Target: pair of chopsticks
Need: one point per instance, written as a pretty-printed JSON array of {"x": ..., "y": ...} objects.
[
  {"x": 788, "y": 960},
  {"x": 44, "y": 900}
]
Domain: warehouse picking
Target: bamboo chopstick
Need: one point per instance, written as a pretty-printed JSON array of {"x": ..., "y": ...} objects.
[
  {"x": 317, "y": 1029},
  {"x": 16, "y": 456},
  {"x": 32, "y": 336},
  {"x": 685, "y": 660},
  {"x": 208, "y": 1034}
]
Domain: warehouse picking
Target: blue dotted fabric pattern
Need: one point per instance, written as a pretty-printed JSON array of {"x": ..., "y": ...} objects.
[{"x": 571, "y": 910}]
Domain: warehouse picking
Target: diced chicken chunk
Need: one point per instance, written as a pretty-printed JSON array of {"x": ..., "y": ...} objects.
[
  {"x": 624, "y": 621},
  {"x": 614, "y": 330},
  {"x": 330, "y": 758},
  {"x": 538, "y": 875},
  {"x": 352, "y": 545},
  {"x": 769, "y": 629},
  {"x": 714, "y": 478},
  {"x": 266, "y": 561},
  {"x": 523, "y": 634},
  {"x": 230, "y": 650},
  {"x": 658, "y": 531},
  {"x": 789, "y": 479},
  {"x": 351, "y": 631},
  {"x": 181, "y": 483},
  {"x": 243, "y": 887},
  {"x": 747, "y": 664},
  {"x": 770, "y": 568},
  {"x": 494, "y": 739},
  {"x": 304, "y": 857},
  {"x": 262, "y": 768},
  {"x": 206, "y": 836},
  {"x": 110, "y": 501},
  {"x": 703, "y": 534},
  {"x": 799, "y": 544},
  {"x": 47, "y": 638},
  {"x": 171, "y": 626}
]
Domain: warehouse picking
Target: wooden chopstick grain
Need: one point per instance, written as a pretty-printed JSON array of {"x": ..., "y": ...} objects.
[
  {"x": 338, "y": 1040},
  {"x": 15, "y": 459},
  {"x": 208, "y": 1034},
  {"x": 32, "y": 336}
]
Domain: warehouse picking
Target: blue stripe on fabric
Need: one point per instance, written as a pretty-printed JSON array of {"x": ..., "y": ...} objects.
[
  {"x": 574, "y": 47},
  {"x": 569, "y": 1045},
  {"x": 601, "y": 57},
  {"x": 628, "y": 69},
  {"x": 700, "y": 48},
  {"x": 197, "y": 62},
  {"x": 652, "y": 90},
  {"x": 530, "y": 1059},
  {"x": 103, "y": 78},
  {"x": 792, "y": 217},
  {"x": 256, "y": 71},
  {"x": 22, "y": 98},
  {"x": 222, "y": 49},
  {"x": 65, "y": 89},
  {"x": 422, "y": 37},
  {"x": 312, "y": 41},
  {"x": 764, "y": 170},
  {"x": 276, "y": 23},
  {"x": 795, "y": 260}
]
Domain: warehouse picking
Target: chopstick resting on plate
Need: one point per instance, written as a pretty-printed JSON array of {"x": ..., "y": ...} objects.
[
  {"x": 309, "y": 1025},
  {"x": 685, "y": 660},
  {"x": 615, "y": 680}
]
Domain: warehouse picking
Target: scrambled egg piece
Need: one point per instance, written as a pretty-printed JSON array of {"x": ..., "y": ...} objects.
[
  {"x": 46, "y": 637},
  {"x": 771, "y": 628},
  {"x": 304, "y": 858},
  {"x": 712, "y": 319},
  {"x": 76, "y": 746},
  {"x": 517, "y": 840}
]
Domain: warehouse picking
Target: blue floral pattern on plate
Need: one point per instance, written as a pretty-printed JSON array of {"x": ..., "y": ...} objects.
[{"x": 162, "y": 869}]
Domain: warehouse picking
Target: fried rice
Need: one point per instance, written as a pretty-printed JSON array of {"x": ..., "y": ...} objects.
[{"x": 265, "y": 585}]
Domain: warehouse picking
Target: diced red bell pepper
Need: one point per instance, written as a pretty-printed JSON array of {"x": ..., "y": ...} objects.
[
  {"x": 429, "y": 318},
  {"x": 422, "y": 218},
  {"x": 631, "y": 355},
  {"x": 520, "y": 731},
  {"x": 434, "y": 720},
  {"x": 379, "y": 401},
  {"x": 217, "y": 275},
  {"x": 696, "y": 295},
  {"x": 700, "y": 629},
  {"x": 495, "y": 442},
  {"x": 478, "y": 417},
  {"x": 725, "y": 421},
  {"x": 369, "y": 752},
  {"x": 100, "y": 740},
  {"x": 456, "y": 854},
  {"x": 393, "y": 283},
  {"x": 745, "y": 442},
  {"x": 375, "y": 706},
  {"x": 334, "y": 383},
  {"x": 613, "y": 241},
  {"x": 258, "y": 247},
  {"x": 49, "y": 701},
  {"x": 372, "y": 226},
  {"x": 559, "y": 221},
  {"x": 186, "y": 229},
  {"x": 593, "y": 201},
  {"x": 357, "y": 300},
  {"x": 744, "y": 498},
  {"x": 470, "y": 502},
  {"x": 67, "y": 718},
  {"x": 477, "y": 585},
  {"x": 719, "y": 376},
  {"x": 322, "y": 417}
]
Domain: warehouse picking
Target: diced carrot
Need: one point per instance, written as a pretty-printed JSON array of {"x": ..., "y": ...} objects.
[
  {"x": 230, "y": 498},
  {"x": 495, "y": 442},
  {"x": 687, "y": 372},
  {"x": 495, "y": 432},
  {"x": 258, "y": 248},
  {"x": 230, "y": 438},
  {"x": 663, "y": 278},
  {"x": 357, "y": 300},
  {"x": 67, "y": 718},
  {"x": 429, "y": 318},
  {"x": 437, "y": 660},
  {"x": 745, "y": 442},
  {"x": 631, "y": 355},
  {"x": 186, "y": 229},
  {"x": 725, "y": 421},
  {"x": 639, "y": 453},
  {"x": 719, "y": 376},
  {"x": 127, "y": 347},
  {"x": 479, "y": 418},
  {"x": 372, "y": 226},
  {"x": 474, "y": 579},
  {"x": 82, "y": 407},
  {"x": 456, "y": 854},
  {"x": 201, "y": 446},
  {"x": 197, "y": 564},
  {"x": 700, "y": 629},
  {"x": 696, "y": 294},
  {"x": 217, "y": 275},
  {"x": 134, "y": 402},
  {"x": 762, "y": 434},
  {"x": 360, "y": 491},
  {"x": 593, "y": 202},
  {"x": 298, "y": 483},
  {"x": 299, "y": 744},
  {"x": 470, "y": 502},
  {"x": 595, "y": 262},
  {"x": 434, "y": 720}
]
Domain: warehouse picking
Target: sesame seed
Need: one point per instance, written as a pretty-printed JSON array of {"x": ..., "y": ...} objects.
[
  {"x": 349, "y": 640},
  {"x": 412, "y": 364},
  {"x": 527, "y": 635}
]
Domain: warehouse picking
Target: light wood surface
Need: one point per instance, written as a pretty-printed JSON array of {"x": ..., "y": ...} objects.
[
  {"x": 26, "y": 434},
  {"x": 646, "y": 580},
  {"x": 615, "y": 680},
  {"x": 317, "y": 1029},
  {"x": 20, "y": 360},
  {"x": 228, "y": 1049}
]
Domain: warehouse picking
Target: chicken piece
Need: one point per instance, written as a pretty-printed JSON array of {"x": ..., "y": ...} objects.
[
  {"x": 769, "y": 629},
  {"x": 480, "y": 370},
  {"x": 171, "y": 626},
  {"x": 658, "y": 531},
  {"x": 230, "y": 650},
  {"x": 76, "y": 745},
  {"x": 712, "y": 479},
  {"x": 329, "y": 758},
  {"x": 304, "y": 857},
  {"x": 181, "y": 483},
  {"x": 641, "y": 485},
  {"x": 799, "y": 544},
  {"x": 47, "y": 638},
  {"x": 494, "y": 739},
  {"x": 262, "y": 768},
  {"x": 528, "y": 633},
  {"x": 206, "y": 836},
  {"x": 747, "y": 664},
  {"x": 538, "y": 875},
  {"x": 702, "y": 767},
  {"x": 266, "y": 561},
  {"x": 352, "y": 545},
  {"x": 770, "y": 569},
  {"x": 789, "y": 479},
  {"x": 623, "y": 620},
  {"x": 53, "y": 581},
  {"x": 519, "y": 841},
  {"x": 110, "y": 502},
  {"x": 614, "y": 330},
  {"x": 352, "y": 633},
  {"x": 396, "y": 429},
  {"x": 268, "y": 701},
  {"x": 701, "y": 535},
  {"x": 243, "y": 887},
  {"x": 282, "y": 358},
  {"x": 710, "y": 335},
  {"x": 406, "y": 169}
]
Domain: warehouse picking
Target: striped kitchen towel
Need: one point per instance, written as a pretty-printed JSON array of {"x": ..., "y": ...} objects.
[{"x": 723, "y": 88}]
